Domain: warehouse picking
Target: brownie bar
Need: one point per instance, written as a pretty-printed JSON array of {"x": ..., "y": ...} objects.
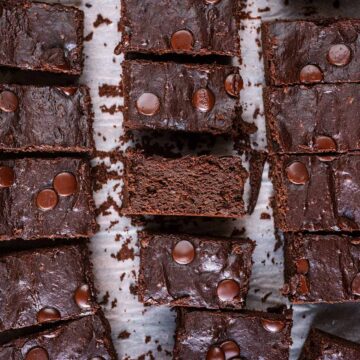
[
  {"x": 42, "y": 37},
  {"x": 45, "y": 119},
  {"x": 311, "y": 51},
  {"x": 45, "y": 198},
  {"x": 88, "y": 338},
  {"x": 317, "y": 193},
  {"x": 189, "y": 186},
  {"x": 246, "y": 335},
  {"x": 321, "y": 345},
  {"x": 185, "y": 270},
  {"x": 311, "y": 260},
  {"x": 187, "y": 27},
  {"x": 313, "y": 119},
  {"x": 45, "y": 285},
  {"x": 169, "y": 96}
]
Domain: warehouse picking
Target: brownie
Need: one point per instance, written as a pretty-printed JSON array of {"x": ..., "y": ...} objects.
[
  {"x": 313, "y": 119},
  {"x": 186, "y": 27},
  {"x": 316, "y": 193},
  {"x": 185, "y": 270},
  {"x": 188, "y": 186},
  {"x": 246, "y": 335},
  {"x": 311, "y": 51},
  {"x": 312, "y": 261},
  {"x": 44, "y": 285},
  {"x": 42, "y": 37},
  {"x": 88, "y": 338},
  {"x": 170, "y": 96},
  {"x": 45, "y": 119},
  {"x": 46, "y": 198},
  {"x": 321, "y": 345}
]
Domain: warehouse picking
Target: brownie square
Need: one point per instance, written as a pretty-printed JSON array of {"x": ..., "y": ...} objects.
[
  {"x": 246, "y": 335},
  {"x": 45, "y": 119},
  {"x": 46, "y": 198},
  {"x": 311, "y": 51},
  {"x": 186, "y": 27},
  {"x": 42, "y": 37},
  {"x": 179, "y": 97},
  {"x": 185, "y": 270}
]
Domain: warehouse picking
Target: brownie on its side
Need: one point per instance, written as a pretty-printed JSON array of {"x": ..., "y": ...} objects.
[
  {"x": 188, "y": 27},
  {"x": 42, "y": 37},
  {"x": 185, "y": 270},
  {"x": 311, "y": 51},
  {"x": 45, "y": 119},
  {"x": 314, "y": 260},
  {"x": 313, "y": 119},
  {"x": 246, "y": 335},
  {"x": 189, "y": 186},
  {"x": 88, "y": 338},
  {"x": 316, "y": 193},
  {"x": 321, "y": 345},
  {"x": 170, "y": 96},
  {"x": 46, "y": 198}
]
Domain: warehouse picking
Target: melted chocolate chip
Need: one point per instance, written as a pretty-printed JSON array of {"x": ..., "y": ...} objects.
[
  {"x": 46, "y": 199},
  {"x": 326, "y": 158},
  {"x": 339, "y": 55},
  {"x": 215, "y": 353},
  {"x": 233, "y": 84},
  {"x": 68, "y": 91},
  {"x": 230, "y": 349},
  {"x": 302, "y": 266},
  {"x": 8, "y": 101},
  {"x": 228, "y": 289},
  {"x": 183, "y": 252},
  {"x": 48, "y": 314},
  {"x": 7, "y": 176},
  {"x": 297, "y": 173},
  {"x": 148, "y": 104},
  {"x": 325, "y": 143},
  {"x": 273, "y": 326},
  {"x": 203, "y": 100},
  {"x": 83, "y": 297},
  {"x": 355, "y": 285},
  {"x": 182, "y": 40},
  {"x": 65, "y": 184},
  {"x": 37, "y": 353},
  {"x": 311, "y": 74}
]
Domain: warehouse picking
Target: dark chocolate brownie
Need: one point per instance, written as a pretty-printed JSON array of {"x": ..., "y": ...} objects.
[
  {"x": 45, "y": 119},
  {"x": 42, "y": 37},
  {"x": 44, "y": 285},
  {"x": 324, "y": 346},
  {"x": 313, "y": 119},
  {"x": 246, "y": 335},
  {"x": 45, "y": 198},
  {"x": 170, "y": 96},
  {"x": 88, "y": 338},
  {"x": 188, "y": 27},
  {"x": 311, "y": 51},
  {"x": 317, "y": 193},
  {"x": 185, "y": 270},
  {"x": 312, "y": 261},
  {"x": 189, "y": 186}
]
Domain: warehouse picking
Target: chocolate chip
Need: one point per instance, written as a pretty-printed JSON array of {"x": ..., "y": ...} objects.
[
  {"x": 355, "y": 285},
  {"x": 183, "y": 252},
  {"x": 203, "y": 100},
  {"x": 212, "y": 1},
  {"x": 65, "y": 184},
  {"x": 46, "y": 199},
  {"x": 273, "y": 326},
  {"x": 7, "y": 176},
  {"x": 303, "y": 286},
  {"x": 148, "y": 104},
  {"x": 233, "y": 84},
  {"x": 8, "y": 101},
  {"x": 302, "y": 266},
  {"x": 37, "y": 353},
  {"x": 339, "y": 55},
  {"x": 215, "y": 353},
  {"x": 326, "y": 158},
  {"x": 230, "y": 349},
  {"x": 182, "y": 40},
  {"x": 68, "y": 91},
  {"x": 297, "y": 173},
  {"x": 82, "y": 296},
  {"x": 311, "y": 74},
  {"x": 325, "y": 143},
  {"x": 48, "y": 314},
  {"x": 227, "y": 290}
]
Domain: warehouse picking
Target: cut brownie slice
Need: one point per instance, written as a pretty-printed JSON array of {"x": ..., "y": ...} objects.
[
  {"x": 187, "y": 27},
  {"x": 313, "y": 260},
  {"x": 321, "y": 345},
  {"x": 45, "y": 119},
  {"x": 246, "y": 335},
  {"x": 311, "y": 51},
  {"x": 317, "y": 193},
  {"x": 44, "y": 285},
  {"x": 88, "y": 338},
  {"x": 43, "y": 37},
  {"x": 189, "y": 186},
  {"x": 313, "y": 119},
  {"x": 46, "y": 198},
  {"x": 184, "y": 270},
  {"x": 169, "y": 96}
]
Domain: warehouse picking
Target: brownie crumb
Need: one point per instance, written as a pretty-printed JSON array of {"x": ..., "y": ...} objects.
[
  {"x": 124, "y": 335},
  {"x": 89, "y": 37},
  {"x": 101, "y": 20},
  {"x": 265, "y": 216},
  {"x": 147, "y": 339}
]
